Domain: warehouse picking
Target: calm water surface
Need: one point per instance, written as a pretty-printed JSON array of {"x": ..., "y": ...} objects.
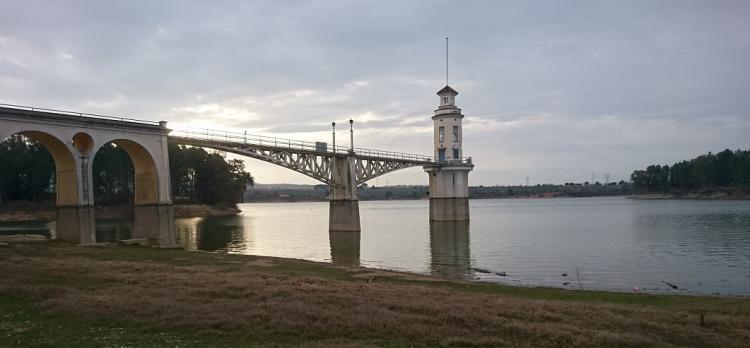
[{"x": 612, "y": 243}]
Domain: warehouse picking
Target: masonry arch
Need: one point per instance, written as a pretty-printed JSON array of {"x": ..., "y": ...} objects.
[
  {"x": 66, "y": 183},
  {"x": 145, "y": 171}
]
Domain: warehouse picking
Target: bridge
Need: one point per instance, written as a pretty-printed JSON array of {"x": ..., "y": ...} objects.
[{"x": 73, "y": 139}]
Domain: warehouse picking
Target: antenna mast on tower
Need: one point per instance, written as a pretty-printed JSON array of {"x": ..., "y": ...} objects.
[{"x": 446, "y": 61}]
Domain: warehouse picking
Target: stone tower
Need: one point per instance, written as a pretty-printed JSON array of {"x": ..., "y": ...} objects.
[{"x": 449, "y": 175}]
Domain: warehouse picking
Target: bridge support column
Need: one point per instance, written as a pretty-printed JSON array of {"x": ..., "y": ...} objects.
[
  {"x": 345, "y": 247},
  {"x": 76, "y": 224},
  {"x": 344, "y": 208},
  {"x": 449, "y": 192}
]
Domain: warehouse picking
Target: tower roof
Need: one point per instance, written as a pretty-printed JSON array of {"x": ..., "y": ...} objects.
[{"x": 447, "y": 90}]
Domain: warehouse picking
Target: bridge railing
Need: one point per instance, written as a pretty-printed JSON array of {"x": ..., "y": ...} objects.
[
  {"x": 243, "y": 138},
  {"x": 80, "y": 114},
  {"x": 248, "y": 139}
]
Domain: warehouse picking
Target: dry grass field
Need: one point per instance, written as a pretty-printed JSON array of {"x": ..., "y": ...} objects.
[{"x": 57, "y": 294}]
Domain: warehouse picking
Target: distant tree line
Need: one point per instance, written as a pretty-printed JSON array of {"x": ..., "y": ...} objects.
[
  {"x": 27, "y": 173},
  {"x": 568, "y": 189},
  {"x": 726, "y": 169}
]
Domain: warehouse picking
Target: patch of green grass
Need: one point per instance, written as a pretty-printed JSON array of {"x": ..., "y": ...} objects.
[{"x": 23, "y": 324}]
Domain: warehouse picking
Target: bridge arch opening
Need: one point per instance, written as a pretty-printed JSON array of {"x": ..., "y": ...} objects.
[
  {"x": 65, "y": 173},
  {"x": 132, "y": 168}
]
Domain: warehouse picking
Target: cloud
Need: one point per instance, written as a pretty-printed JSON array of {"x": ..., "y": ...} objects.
[{"x": 548, "y": 89}]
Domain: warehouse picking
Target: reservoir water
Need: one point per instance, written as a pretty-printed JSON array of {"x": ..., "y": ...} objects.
[{"x": 610, "y": 243}]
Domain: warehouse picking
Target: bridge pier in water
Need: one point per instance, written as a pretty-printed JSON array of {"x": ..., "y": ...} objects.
[
  {"x": 449, "y": 192},
  {"x": 345, "y": 247},
  {"x": 343, "y": 211},
  {"x": 76, "y": 224}
]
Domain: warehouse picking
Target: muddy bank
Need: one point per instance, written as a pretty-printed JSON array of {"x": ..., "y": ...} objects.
[{"x": 46, "y": 212}]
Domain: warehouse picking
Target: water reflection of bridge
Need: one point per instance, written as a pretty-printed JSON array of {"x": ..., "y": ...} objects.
[
  {"x": 449, "y": 242},
  {"x": 450, "y": 251}
]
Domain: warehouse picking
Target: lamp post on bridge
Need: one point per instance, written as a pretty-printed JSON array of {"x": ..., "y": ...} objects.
[
  {"x": 333, "y": 127},
  {"x": 351, "y": 136}
]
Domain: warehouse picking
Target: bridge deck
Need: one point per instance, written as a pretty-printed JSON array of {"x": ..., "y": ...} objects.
[
  {"x": 234, "y": 139},
  {"x": 202, "y": 137},
  {"x": 53, "y": 115}
]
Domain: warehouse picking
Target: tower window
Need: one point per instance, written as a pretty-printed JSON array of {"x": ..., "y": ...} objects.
[
  {"x": 455, "y": 133},
  {"x": 455, "y": 154},
  {"x": 441, "y": 133}
]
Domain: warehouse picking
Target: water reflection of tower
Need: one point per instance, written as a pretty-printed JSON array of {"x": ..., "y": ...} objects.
[
  {"x": 345, "y": 247},
  {"x": 450, "y": 253}
]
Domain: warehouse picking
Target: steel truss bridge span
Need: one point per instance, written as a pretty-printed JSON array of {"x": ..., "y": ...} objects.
[{"x": 309, "y": 158}]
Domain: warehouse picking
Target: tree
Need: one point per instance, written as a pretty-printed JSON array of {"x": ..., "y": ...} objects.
[
  {"x": 113, "y": 175},
  {"x": 28, "y": 173},
  {"x": 207, "y": 177},
  {"x": 725, "y": 169}
]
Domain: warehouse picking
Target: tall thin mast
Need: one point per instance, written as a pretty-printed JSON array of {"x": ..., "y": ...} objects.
[{"x": 446, "y": 61}]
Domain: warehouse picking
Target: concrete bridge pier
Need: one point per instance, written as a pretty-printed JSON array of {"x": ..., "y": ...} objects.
[
  {"x": 343, "y": 213},
  {"x": 449, "y": 192},
  {"x": 345, "y": 247},
  {"x": 76, "y": 224}
]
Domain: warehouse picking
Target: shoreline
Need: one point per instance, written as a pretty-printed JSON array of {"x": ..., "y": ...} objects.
[
  {"x": 709, "y": 196},
  {"x": 219, "y": 296},
  {"x": 46, "y": 213}
]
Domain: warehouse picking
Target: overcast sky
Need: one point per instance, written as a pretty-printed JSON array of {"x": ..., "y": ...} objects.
[{"x": 553, "y": 90}]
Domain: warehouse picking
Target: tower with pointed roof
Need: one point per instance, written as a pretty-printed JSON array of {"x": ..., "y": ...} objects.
[
  {"x": 447, "y": 121},
  {"x": 449, "y": 175}
]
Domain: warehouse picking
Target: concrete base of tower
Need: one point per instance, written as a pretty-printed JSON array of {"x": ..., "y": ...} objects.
[
  {"x": 449, "y": 209},
  {"x": 343, "y": 215}
]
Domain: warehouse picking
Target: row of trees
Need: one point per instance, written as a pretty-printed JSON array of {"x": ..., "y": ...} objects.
[
  {"x": 200, "y": 176},
  {"x": 27, "y": 171},
  {"x": 724, "y": 169},
  {"x": 197, "y": 176}
]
